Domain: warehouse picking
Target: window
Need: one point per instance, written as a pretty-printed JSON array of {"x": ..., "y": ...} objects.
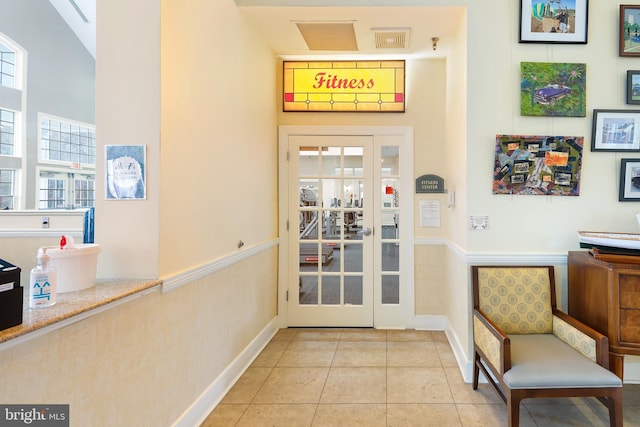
[
  {"x": 7, "y": 66},
  {"x": 7, "y": 178},
  {"x": 11, "y": 143},
  {"x": 66, "y": 190},
  {"x": 71, "y": 146},
  {"x": 85, "y": 192},
  {"x": 51, "y": 192},
  {"x": 7, "y": 134},
  {"x": 66, "y": 141}
]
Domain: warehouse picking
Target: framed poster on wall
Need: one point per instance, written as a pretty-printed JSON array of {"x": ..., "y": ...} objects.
[
  {"x": 629, "y": 30},
  {"x": 615, "y": 130},
  {"x": 544, "y": 21},
  {"x": 553, "y": 89},
  {"x": 126, "y": 172},
  {"x": 537, "y": 165},
  {"x": 629, "y": 180}
]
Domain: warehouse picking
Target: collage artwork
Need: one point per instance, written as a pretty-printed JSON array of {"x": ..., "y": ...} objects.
[{"x": 537, "y": 165}]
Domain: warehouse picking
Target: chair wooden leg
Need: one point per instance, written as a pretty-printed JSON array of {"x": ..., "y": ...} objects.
[
  {"x": 513, "y": 410},
  {"x": 614, "y": 402},
  {"x": 476, "y": 370}
]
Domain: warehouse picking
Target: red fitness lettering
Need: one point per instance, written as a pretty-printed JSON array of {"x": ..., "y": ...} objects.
[{"x": 329, "y": 81}]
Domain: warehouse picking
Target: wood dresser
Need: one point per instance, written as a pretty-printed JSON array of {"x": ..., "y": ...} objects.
[{"x": 605, "y": 294}]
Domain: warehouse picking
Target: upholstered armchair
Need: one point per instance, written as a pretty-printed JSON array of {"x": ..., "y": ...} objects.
[{"x": 527, "y": 348}]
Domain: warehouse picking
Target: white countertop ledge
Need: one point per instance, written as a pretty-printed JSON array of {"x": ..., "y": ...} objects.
[{"x": 72, "y": 307}]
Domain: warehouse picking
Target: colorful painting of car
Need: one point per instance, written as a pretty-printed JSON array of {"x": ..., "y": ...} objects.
[{"x": 550, "y": 94}]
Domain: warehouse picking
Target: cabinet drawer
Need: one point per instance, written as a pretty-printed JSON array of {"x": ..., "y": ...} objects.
[
  {"x": 630, "y": 326},
  {"x": 629, "y": 291}
]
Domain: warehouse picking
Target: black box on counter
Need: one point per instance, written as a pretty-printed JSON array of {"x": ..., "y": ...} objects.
[{"x": 11, "y": 295}]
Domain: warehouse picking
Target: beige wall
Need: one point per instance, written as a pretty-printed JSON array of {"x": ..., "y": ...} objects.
[
  {"x": 128, "y": 113},
  {"x": 144, "y": 362},
  {"x": 219, "y": 139},
  {"x": 541, "y": 224},
  {"x": 208, "y": 127},
  {"x": 431, "y": 284}
]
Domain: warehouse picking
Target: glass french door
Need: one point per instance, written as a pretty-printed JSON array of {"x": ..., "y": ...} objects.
[{"x": 344, "y": 242}]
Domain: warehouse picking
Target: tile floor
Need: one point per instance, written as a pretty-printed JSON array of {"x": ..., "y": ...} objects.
[{"x": 370, "y": 378}]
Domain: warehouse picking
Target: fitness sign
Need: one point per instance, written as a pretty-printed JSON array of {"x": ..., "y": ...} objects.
[{"x": 344, "y": 86}]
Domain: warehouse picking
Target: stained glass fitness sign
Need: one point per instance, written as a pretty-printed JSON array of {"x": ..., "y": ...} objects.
[{"x": 360, "y": 86}]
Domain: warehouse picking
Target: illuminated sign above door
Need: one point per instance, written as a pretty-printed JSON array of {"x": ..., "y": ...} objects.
[{"x": 344, "y": 86}]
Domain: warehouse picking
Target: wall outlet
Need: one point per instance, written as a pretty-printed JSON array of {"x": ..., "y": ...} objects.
[{"x": 45, "y": 222}]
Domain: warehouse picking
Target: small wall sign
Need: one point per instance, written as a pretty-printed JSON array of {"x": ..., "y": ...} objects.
[{"x": 429, "y": 184}]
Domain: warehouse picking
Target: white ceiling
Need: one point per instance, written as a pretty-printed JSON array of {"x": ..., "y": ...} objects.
[
  {"x": 80, "y": 15},
  {"x": 278, "y": 26},
  {"x": 276, "y": 20}
]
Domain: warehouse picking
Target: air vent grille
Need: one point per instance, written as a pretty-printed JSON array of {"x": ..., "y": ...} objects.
[{"x": 391, "y": 39}]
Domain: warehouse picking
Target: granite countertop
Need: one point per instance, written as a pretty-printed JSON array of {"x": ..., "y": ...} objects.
[{"x": 70, "y": 304}]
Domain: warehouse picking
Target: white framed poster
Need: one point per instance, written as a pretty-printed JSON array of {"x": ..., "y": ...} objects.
[{"x": 126, "y": 172}]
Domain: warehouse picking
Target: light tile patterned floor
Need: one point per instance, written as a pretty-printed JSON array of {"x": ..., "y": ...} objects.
[{"x": 371, "y": 378}]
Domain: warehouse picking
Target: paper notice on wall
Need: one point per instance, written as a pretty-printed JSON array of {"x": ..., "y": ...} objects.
[
  {"x": 479, "y": 222},
  {"x": 429, "y": 213}
]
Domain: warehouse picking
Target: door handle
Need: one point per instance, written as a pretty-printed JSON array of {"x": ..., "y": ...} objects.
[{"x": 367, "y": 231}]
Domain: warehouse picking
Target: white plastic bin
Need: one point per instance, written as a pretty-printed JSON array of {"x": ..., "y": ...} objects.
[{"x": 76, "y": 266}]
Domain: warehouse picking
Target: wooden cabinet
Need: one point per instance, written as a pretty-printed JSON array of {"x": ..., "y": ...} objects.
[{"x": 606, "y": 296}]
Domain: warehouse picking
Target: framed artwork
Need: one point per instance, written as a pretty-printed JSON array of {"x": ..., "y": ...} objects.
[
  {"x": 537, "y": 165},
  {"x": 553, "y": 89},
  {"x": 633, "y": 86},
  {"x": 629, "y": 180},
  {"x": 544, "y": 21},
  {"x": 629, "y": 29},
  {"x": 126, "y": 172},
  {"x": 615, "y": 130}
]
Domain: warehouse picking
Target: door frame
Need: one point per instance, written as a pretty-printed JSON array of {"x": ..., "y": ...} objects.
[{"x": 398, "y": 316}]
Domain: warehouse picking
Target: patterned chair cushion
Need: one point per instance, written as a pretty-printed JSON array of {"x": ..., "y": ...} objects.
[
  {"x": 517, "y": 299},
  {"x": 571, "y": 336}
]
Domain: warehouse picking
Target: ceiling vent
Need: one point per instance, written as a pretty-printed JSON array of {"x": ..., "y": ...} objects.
[
  {"x": 391, "y": 38},
  {"x": 329, "y": 35}
]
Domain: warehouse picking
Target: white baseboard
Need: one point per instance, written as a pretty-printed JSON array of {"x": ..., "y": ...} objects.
[
  {"x": 464, "y": 364},
  {"x": 198, "y": 411},
  {"x": 631, "y": 372},
  {"x": 428, "y": 322},
  {"x": 441, "y": 323}
]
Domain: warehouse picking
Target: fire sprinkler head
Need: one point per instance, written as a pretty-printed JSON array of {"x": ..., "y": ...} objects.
[{"x": 434, "y": 42}]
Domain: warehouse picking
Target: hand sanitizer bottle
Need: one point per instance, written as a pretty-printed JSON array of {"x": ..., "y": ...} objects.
[{"x": 42, "y": 283}]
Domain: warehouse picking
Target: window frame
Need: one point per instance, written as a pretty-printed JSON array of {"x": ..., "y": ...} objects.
[
  {"x": 65, "y": 163},
  {"x": 14, "y": 147},
  {"x": 14, "y": 178},
  {"x": 70, "y": 196},
  {"x": 16, "y": 161},
  {"x": 20, "y": 63}
]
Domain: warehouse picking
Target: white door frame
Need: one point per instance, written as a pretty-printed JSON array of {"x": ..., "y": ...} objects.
[{"x": 398, "y": 316}]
